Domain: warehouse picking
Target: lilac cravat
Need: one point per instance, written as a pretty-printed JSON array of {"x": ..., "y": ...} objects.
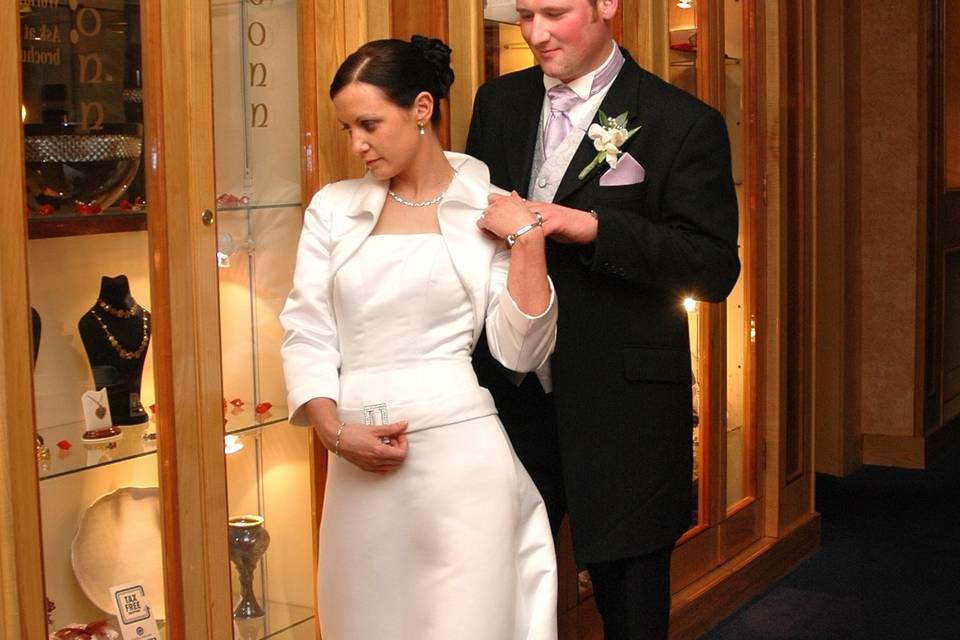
[{"x": 563, "y": 98}]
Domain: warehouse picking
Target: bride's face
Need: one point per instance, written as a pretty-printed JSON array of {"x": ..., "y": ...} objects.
[{"x": 385, "y": 136}]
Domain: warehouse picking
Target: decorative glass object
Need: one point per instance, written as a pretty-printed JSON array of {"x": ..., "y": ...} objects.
[
  {"x": 248, "y": 542},
  {"x": 67, "y": 166}
]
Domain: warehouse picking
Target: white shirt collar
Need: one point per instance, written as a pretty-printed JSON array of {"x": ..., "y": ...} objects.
[{"x": 584, "y": 84}]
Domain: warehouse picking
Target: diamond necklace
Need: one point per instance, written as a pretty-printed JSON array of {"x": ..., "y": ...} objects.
[{"x": 413, "y": 203}]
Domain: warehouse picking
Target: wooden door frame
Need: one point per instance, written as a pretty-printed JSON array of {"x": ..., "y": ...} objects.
[
  {"x": 190, "y": 458},
  {"x": 939, "y": 432},
  {"x": 727, "y": 531},
  {"x": 178, "y": 124},
  {"x": 22, "y": 603}
]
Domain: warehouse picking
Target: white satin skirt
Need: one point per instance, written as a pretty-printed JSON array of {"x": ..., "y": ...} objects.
[{"x": 455, "y": 545}]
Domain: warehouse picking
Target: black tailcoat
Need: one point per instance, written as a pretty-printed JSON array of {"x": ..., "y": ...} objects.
[{"x": 621, "y": 369}]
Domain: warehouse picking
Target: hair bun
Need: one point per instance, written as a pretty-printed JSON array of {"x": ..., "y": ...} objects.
[{"x": 437, "y": 53}]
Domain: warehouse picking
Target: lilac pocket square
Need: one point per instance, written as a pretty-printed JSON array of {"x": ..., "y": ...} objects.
[{"x": 628, "y": 171}]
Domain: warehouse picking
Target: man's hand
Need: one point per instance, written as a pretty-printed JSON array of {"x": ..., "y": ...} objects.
[{"x": 564, "y": 224}]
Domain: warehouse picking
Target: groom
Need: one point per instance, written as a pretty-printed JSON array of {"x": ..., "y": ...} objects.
[{"x": 611, "y": 445}]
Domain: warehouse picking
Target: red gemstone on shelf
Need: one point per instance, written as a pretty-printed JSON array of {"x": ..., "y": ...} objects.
[
  {"x": 263, "y": 407},
  {"x": 237, "y": 402},
  {"x": 125, "y": 205},
  {"x": 63, "y": 444}
]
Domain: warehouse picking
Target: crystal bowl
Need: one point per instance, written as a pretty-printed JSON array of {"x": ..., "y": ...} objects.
[{"x": 67, "y": 166}]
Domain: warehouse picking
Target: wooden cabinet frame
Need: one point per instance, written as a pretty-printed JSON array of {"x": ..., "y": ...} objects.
[{"x": 22, "y": 607}]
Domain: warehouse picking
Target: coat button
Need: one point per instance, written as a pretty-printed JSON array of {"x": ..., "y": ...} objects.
[{"x": 542, "y": 182}]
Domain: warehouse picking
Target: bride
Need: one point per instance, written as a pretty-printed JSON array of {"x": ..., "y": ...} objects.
[{"x": 431, "y": 529}]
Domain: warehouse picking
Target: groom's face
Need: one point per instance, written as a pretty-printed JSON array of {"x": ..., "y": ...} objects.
[{"x": 568, "y": 37}]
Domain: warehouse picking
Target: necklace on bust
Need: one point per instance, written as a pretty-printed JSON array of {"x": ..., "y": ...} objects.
[
  {"x": 118, "y": 313},
  {"x": 121, "y": 351},
  {"x": 415, "y": 203}
]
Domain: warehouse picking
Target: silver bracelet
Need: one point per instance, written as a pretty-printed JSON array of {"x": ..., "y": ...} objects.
[
  {"x": 336, "y": 447},
  {"x": 512, "y": 238}
]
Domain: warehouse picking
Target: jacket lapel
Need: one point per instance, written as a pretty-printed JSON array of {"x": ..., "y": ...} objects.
[
  {"x": 622, "y": 96},
  {"x": 362, "y": 212},
  {"x": 470, "y": 252},
  {"x": 524, "y": 122}
]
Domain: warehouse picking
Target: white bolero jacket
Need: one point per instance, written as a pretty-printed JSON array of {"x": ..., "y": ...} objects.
[{"x": 338, "y": 220}]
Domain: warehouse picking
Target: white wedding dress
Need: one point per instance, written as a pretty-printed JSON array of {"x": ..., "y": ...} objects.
[{"x": 455, "y": 545}]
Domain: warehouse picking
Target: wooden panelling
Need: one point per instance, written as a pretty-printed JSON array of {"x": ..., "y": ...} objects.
[
  {"x": 740, "y": 528},
  {"x": 467, "y": 42},
  {"x": 752, "y": 211},
  {"x": 703, "y": 604},
  {"x": 710, "y": 83},
  {"x": 852, "y": 413},
  {"x": 951, "y": 94},
  {"x": 693, "y": 558},
  {"x": 22, "y": 609},
  {"x": 894, "y": 451},
  {"x": 184, "y": 287},
  {"x": 794, "y": 444},
  {"x": 893, "y": 39},
  {"x": 427, "y": 18},
  {"x": 829, "y": 246}
]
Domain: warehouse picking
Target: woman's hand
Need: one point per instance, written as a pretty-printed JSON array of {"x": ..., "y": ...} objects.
[
  {"x": 377, "y": 449},
  {"x": 505, "y": 214}
]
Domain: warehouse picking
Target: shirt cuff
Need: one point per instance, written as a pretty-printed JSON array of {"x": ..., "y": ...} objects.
[{"x": 519, "y": 320}]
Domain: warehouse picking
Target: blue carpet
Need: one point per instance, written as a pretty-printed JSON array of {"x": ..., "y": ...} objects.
[{"x": 888, "y": 568}]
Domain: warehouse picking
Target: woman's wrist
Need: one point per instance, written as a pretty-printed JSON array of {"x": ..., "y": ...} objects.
[
  {"x": 515, "y": 237},
  {"x": 322, "y": 415},
  {"x": 528, "y": 238}
]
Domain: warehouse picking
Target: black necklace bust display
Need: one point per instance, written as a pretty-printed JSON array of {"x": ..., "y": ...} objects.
[
  {"x": 115, "y": 334},
  {"x": 35, "y": 326}
]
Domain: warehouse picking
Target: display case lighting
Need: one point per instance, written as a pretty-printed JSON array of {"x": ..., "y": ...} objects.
[{"x": 231, "y": 444}]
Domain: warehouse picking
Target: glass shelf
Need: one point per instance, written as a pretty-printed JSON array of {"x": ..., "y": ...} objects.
[
  {"x": 243, "y": 420},
  {"x": 131, "y": 444},
  {"x": 72, "y": 224},
  {"x": 254, "y": 206},
  {"x": 280, "y": 617},
  {"x": 82, "y": 456}
]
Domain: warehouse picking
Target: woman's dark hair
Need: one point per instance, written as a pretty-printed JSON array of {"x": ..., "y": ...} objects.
[{"x": 400, "y": 69}]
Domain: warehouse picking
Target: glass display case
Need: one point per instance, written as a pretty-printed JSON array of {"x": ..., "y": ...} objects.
[
  {"x": 256, "y": 90},
  {"x": 99, "y": 289},
  {"x": 706, "y": 56},
  {"x": 90, "y": 291}
]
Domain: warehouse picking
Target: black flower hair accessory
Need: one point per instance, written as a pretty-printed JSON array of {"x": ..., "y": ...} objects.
[{"x": 437, "y": 54}]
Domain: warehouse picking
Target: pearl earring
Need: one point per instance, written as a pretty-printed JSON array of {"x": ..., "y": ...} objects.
[{"x": 422, "y": 132}]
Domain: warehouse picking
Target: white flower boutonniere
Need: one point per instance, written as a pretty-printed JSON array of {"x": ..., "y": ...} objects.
[{"x": 608, "y": 136}]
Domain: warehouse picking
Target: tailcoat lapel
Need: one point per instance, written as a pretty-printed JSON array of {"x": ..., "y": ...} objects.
[
  {"x": 524, "y": 123},
  {"x": 622, "y": 96}
]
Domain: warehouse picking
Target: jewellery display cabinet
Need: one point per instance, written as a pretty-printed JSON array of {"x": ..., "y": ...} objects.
[
  {"x": 161, "y": 199},
  {"x": 260, "y": 200}
]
